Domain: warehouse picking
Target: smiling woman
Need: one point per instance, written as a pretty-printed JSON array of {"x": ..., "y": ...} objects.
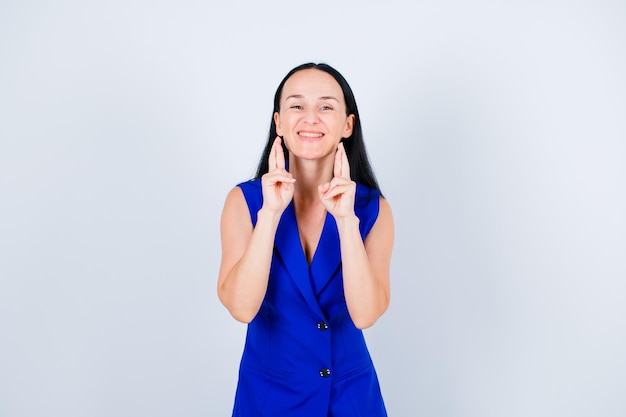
[
  {"x": 306, "y": 248},
  {"x": 313, "y": 118}
]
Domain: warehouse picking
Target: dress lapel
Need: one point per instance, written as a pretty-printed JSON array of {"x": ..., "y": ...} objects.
[{"x": 287, "y": 243}]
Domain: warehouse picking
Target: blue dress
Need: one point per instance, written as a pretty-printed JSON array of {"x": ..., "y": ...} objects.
[{"x": 303, "y": 356}]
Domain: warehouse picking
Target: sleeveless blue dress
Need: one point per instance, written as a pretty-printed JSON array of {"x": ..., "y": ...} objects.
[{"x": 303, "y": 356}]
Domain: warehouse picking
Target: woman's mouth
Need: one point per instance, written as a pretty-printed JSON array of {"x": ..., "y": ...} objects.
[{"x": 310, "y": 136}]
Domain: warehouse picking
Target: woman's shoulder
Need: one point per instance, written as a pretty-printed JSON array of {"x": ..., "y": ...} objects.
[
  {"x": 253, "y": 194},
  {"x": 366, "y": 207},
  {"x": 250, "y": 185},
  {"x": 366, "y": 193},
  {"x": 366, "y": 198}
]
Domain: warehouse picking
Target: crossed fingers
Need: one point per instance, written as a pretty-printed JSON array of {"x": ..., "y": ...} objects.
[
  {"x": 338, "y": 194},
  {"x": 278, "y": 184},
  {"x": 277, "y": 157}
]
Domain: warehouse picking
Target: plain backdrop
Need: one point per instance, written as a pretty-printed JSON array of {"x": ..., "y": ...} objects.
[{"x": 497, "y": 131}]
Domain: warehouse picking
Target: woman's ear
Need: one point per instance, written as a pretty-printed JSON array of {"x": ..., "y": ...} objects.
[
  {"x": 277, "y": 122},
  {"x": 347, "y": 132}
]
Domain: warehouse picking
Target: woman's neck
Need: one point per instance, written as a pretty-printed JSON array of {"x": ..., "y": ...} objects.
[{"x": 310, "y": 174}]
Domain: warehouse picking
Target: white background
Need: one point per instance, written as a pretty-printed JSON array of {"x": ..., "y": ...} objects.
[{"x": 497, "y": 131}]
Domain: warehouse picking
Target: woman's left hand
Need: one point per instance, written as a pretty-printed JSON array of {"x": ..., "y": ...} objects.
[{"x": 338, "y": 195}]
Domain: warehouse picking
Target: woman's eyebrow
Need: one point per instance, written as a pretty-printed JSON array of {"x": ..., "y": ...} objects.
[{"x": 299, "y": 96}]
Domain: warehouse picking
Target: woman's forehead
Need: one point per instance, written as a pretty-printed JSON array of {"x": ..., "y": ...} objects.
[{"x": 312, "y": 83}]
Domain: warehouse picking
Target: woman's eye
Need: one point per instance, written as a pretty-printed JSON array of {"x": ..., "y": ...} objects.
[
  {"x": 326, "y": 108},
  {"x": 296, "y": 106}
]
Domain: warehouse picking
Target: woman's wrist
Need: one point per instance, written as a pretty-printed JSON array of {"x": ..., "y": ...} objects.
[
  {"x": 347, "y": 222},
  {"x": 272, "y": 216}
]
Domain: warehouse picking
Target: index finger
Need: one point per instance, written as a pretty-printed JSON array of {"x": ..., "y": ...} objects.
[
  {"x": 280, "y": 155},
  {"x": 342, "y": 166},
  {"x": 276, "y": 158}
]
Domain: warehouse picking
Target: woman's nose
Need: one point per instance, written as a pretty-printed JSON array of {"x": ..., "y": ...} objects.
[{"x": 311, "y": 116}]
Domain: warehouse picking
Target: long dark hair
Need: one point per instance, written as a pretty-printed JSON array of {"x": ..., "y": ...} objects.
[{"x": 360, "y": 168}]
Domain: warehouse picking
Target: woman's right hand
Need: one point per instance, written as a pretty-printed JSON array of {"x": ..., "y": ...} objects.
[
  {"x": 246, "y": 249},
  {"x": 277, "y": 184}
]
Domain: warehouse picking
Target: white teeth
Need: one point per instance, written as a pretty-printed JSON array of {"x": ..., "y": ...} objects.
[{"x": 310, "y": 135}]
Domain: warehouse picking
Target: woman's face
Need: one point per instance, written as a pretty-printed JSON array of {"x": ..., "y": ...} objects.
[{"x": 312, "y": 118}]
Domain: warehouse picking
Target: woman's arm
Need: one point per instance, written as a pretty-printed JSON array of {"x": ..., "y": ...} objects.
[
  {"x": 366, "y": 266},
  {"x": 246, "y": 257},
  {"x": 247, "y": 250}
]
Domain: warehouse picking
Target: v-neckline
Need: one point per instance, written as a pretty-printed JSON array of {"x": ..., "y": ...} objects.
[
  {"x": 325, "y": 261},
  {"x": 320, "y": 238},
  {"x": 315, "y": 246}
]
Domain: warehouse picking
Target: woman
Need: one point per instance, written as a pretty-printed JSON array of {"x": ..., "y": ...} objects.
[{"x": 306, "y": 249}]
